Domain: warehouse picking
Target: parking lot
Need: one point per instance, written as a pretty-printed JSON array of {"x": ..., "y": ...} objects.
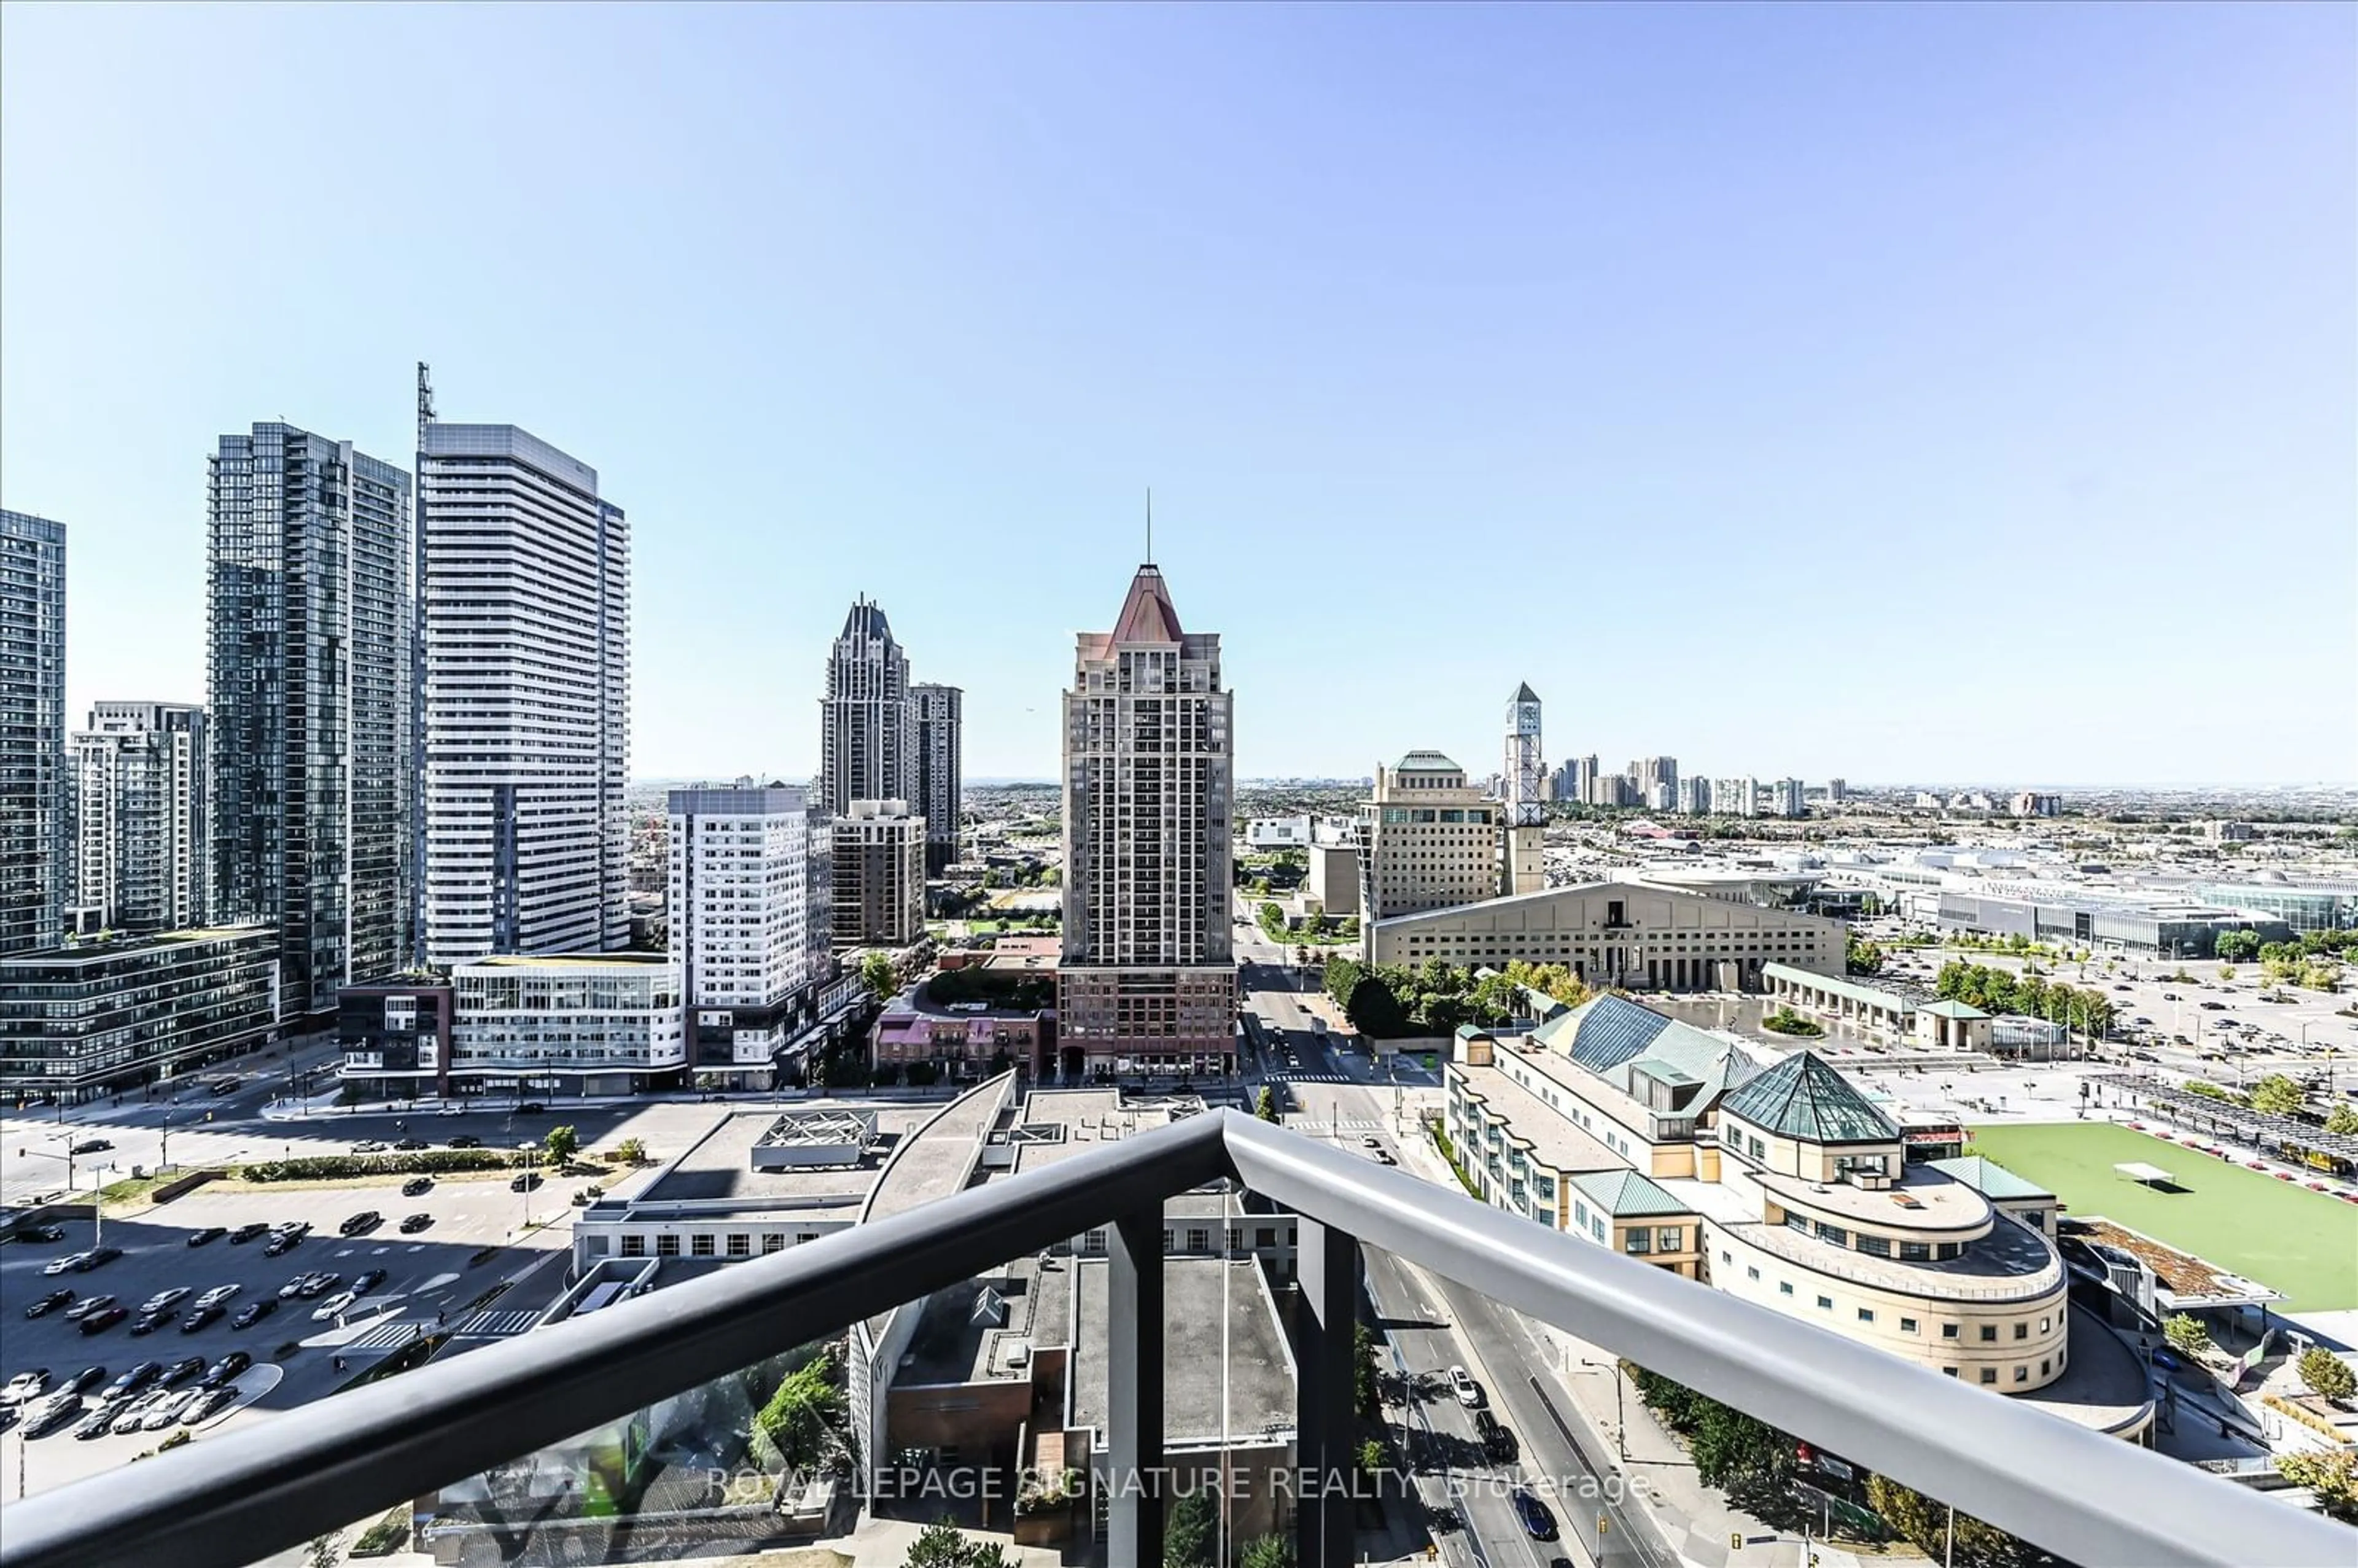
[{"x": 476, "y": 1242}]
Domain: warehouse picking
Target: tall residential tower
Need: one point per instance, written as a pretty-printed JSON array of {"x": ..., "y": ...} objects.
[
  {"x": 524, "y": 591},
  {"x": 1147, "y": 981},
  {"x": 308, "y": 672},
  {"x": 139, "y": 817},
  {"x": 33, "y": 805},
  {"x": 868, "y": 739},
  {"x": 941, "y": 775}
]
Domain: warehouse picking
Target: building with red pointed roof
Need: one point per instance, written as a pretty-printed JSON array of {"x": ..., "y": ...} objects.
[{"x": 1147, "y": 982}]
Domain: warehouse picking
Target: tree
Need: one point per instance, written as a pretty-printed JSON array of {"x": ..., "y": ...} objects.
[
  {"x": 1927, "y": 1523},
  {"x": 1189, "y": 1531},
  {"x": 877, "y": 973},
  {"x": 2226, "y": 971},
  {"x": 2328, "y": 1376},
  {"x": 562, "y": 1144},
  {"x": 2186, "y": 1335},
  {"x": 802, "y": 1416},
  {"x": 1265, "y": 1106},
  {"x": 2331, "y": 1478},
  {"x": 1269, "y": 1551},
  {"x": 1364, "y": 1395},
  {"x": 2277, "y": 1095},
  {"x": 1863, "y": 958},
  {"x": 1740, "y": 1455},
  {"x": 631, "y": 1151},
  {"x": 1374, "y": 1011},
  {"x": 2344, "y": 1119},
  {"x": 940, "y": 1545},
  {"x": 324, "y": 1551}
]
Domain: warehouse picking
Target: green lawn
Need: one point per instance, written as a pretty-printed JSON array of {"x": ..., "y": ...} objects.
[{"x": 2287, "y": 1237}]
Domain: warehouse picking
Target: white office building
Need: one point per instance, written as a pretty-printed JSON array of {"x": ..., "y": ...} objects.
[
  {"x": 566, "y": 1024},
  {"x": 751, "y": 961},
  {"x": 524, "y": 596},
  {"x": 1787, "y": 797},
  {"x": 139, "y": 815}
]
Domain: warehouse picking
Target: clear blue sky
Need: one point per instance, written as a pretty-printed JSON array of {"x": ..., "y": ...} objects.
[{"x": 1897, "y": 393}]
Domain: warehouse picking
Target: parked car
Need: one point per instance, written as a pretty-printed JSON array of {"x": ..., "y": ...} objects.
[
  {"x": 64, "y": 1265},
  {"x": 200, "y": 1318},
  {"x": 163, "y": 1300},
  {"x": 96, "y": 1424},
  {"x": 219, "y": 1295},
  {"x": 361, "y": 1224},
  {"x": 27, "y": 1385},
  {"x": 1497, "y": 1444},
  {"x": 81, "y": 1382},
  {"x": 413, "y": 1224},
  {"x": 47, "y": 1416},
  {"x": 294, "y": 1287},
  {"x": 319, "y": 1284},
  {"x": 368, "y": 1146},
  {"x": 207, "y": 1402},
  {"x": 87, "y": 1305},
  {"x": 530, "y": 1108},
  {"x": 132, "y": 1381},
  {"x": 368, "y": 1280},
  {"x": 166, "y": 1411},
  {"x": 84, "y": 1263},
  {"x": 452, "y": 1110},
  {"x": 92, "y": 1146},
  {"x": 211, "y": 1233},
  {"x": 282, "y": 1242},
  {"x": 180, "y": 1371},
  {"x": 247, "y": 1232},
  {"x": 147, "y": 1322},
  {"x": 131, "y": 1417},
  {"x": 524, "y": 1183},
  {"x": 417, "y": 1187},
  {"x": 1539, "y": 1523},
  {"x": 466, "y": 1141},
  {"x": 100, "y": 1322},
  {"x": 40, "y": 1233},
  {"x": 48, "y": 1303},
  {"x": 226, "y": 1369},
  {"x": 253, "y": 1311},
  {"x": 333, "y": 1306},
  {"x": 1468, "y": 1391},
  {"x": 410, "y": 1145}
]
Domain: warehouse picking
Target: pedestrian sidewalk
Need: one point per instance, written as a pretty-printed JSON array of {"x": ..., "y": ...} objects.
[{"x": 1584, "y": 1384}]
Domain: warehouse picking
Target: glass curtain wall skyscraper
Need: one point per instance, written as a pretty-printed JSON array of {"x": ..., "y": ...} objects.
[
  {"x": 307, "y": 675},
  {"x": 525, "y": 598},
  {"x": 33, "y": 804}
]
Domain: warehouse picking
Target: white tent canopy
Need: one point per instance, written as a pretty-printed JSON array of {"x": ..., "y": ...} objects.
[{"x": 2139, "y": 1171}]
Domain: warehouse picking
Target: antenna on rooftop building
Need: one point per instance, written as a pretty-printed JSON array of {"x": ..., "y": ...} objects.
[{"x": 1150, "y": 525}]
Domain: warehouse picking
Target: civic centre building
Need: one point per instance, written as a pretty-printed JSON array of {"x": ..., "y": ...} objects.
[{"x": 1782, "y": 1184}]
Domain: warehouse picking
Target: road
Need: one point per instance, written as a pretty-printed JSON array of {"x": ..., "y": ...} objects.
[{"x": 1432, "y": 1324}]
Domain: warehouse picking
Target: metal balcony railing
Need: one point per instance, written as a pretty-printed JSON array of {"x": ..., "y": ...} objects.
[{"x": 2089, "y": 1498}]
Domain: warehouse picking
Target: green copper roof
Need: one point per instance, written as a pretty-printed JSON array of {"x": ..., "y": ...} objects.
[
  {"x": 1988, "y": 1177},
  {"x": 1626, "y": 1194},
  {"x": 1803, "y": 1097},
  {"x": 1608, "y": 1033},
  {"x": 1427, "y": 763}
]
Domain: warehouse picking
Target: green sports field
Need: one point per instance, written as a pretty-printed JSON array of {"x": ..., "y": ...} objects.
[{"x": 2286, "y": 1236}]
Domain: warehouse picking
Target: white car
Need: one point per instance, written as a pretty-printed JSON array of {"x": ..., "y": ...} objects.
[
  {"x": 25, "y": 1385},
  {"x": 1371, "y": 1141},
  {"x": 452, "y": 1110},
  {"x": 333, "y": 1306},
  {"x": 163, "y": 1300},
  {"x": 61, "y": 1265},
  {"x": 1468, "y": 1391},
  {"x": 219, "y": 1296},
  {"x": 168, "y": 1410},
  {"x": 134, "y": 1415}
]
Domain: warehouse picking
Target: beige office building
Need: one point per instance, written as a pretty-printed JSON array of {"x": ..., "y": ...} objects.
[
  {"x": 1427, "y": 841},
  {"x": 1147, "y": 980},
  {"x": 879, "y": 875},
  {"x": 1619, "y": 934}
]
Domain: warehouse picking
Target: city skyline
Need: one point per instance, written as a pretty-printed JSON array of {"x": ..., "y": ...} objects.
[{"x": 2039, "y": 388}]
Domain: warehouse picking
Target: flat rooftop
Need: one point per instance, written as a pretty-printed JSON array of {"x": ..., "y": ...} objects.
[
  {"x": 2013, "y": 1263},
  {"x": 1056, "y": 1124},
  {"x": 1197, "y": 1294},
  {"x": 719, "y": 1165},
  {"x": 2104, "y": 1384},
  {"x": 965, "y": 1337},
  {"x": 629, "y": 961},
  {"x": 1555, "y": 1141}
]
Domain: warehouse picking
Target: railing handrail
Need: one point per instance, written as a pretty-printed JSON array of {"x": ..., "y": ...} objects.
[{"x": 232, "y": 1500}]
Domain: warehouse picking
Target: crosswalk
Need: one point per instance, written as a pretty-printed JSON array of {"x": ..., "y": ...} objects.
[
  {"x": 496, "y": 1324},
  {"x": 385, "y": 1336}
]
